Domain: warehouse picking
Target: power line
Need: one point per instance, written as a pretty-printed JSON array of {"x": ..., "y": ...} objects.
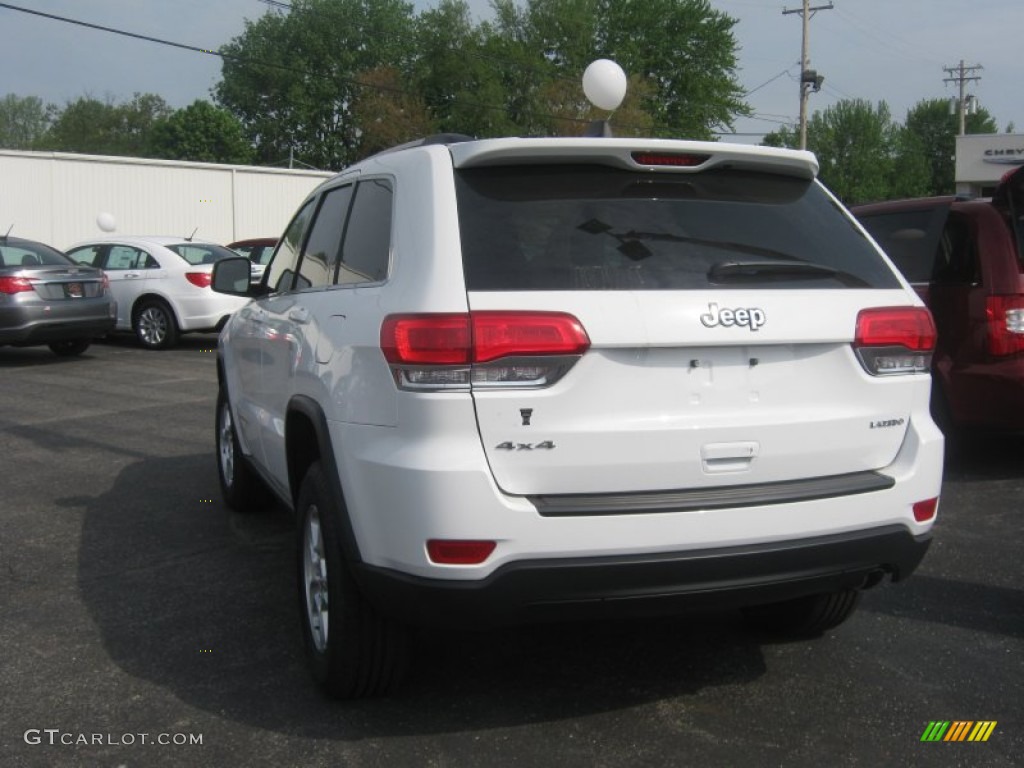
[
  {"x": 769, "y": 81},
  {"x": 294, "y": 70},
  {"x": 272, "y": 65}
]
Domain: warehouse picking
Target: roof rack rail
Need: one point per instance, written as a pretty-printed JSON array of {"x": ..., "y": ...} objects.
[{"x": 437, "y": 138}]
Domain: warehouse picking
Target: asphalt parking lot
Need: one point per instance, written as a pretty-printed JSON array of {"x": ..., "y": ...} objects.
[{"x": 139, "y": 617}]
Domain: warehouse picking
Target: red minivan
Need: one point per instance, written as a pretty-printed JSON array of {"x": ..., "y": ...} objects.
[{"x": 966, "y": 259}]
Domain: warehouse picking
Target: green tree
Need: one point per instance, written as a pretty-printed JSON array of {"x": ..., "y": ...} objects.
[
  {"x": 854, "y": 145},
  {"x": 387, "y": 115},
  {"x": 687, "y": 51},
  {"x": 105, "y": 128},
  {"x": 201, "y": 133},
  {"x": 292, "y": 79},
  {"x": 935, "y": 127},
  {"x": 304, "y": 80},
  {"x": 863, "y": 155},
  {"x": 459, "y": 70},
  {"x": 680, "y": 56},
  {"x": 23, "y": 121}
]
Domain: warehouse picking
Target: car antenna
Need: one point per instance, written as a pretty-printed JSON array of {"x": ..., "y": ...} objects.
[
  {"x": 8, "y": 232},
  {"x": 189, "y": 238}
]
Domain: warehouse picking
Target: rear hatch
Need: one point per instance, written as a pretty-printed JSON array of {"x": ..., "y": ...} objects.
[{"x": 718, "y": 294}]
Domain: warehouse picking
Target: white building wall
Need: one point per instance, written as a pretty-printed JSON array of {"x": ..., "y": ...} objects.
[
  {"x": 56, "y": 197},
  {"x": 982, "y": 159}
]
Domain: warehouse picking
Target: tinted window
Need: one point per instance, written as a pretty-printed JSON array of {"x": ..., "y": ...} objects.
[
  {"x": 367, "y": 248},
  {"x": 910, "y": 238},
  {"x": 320, "y": 255},
  {"x": 286, "y": 257},
  {"x": 956, "y": 262},
  {"x": 599, "y": 228},
  {"x": 89, "y": 255}
]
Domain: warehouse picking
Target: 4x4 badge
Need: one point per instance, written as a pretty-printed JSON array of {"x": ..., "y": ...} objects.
[
  {"x": 752, "y": 317},
  {"x": 508, "y": 445}
]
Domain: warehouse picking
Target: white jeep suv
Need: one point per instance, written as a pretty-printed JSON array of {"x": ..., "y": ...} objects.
[{"x": 532, "y": 379}]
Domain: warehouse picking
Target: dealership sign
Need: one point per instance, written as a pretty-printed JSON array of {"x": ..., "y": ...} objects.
[{"x": 1005, "y": 156}]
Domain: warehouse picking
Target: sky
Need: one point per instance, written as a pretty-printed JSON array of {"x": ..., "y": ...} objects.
[{"x": 879, "y": 50}]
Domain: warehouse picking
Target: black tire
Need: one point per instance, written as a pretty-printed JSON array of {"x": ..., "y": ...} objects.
[
  {"x": 353, "y": 650},
  {"x": 806, "y": 616},
  {"x": 70, "y": 347},
  {"x": 240, "y": 487},
  {"x": 154, "y": 324}
]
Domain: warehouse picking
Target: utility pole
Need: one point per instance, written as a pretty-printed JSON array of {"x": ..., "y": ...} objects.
[
  {"x": 962, "y": 75},
  {"x": 809, "y": 79}
]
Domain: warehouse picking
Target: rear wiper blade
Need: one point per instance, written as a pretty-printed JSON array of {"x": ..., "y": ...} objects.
[{"x": 757, "y": 271}]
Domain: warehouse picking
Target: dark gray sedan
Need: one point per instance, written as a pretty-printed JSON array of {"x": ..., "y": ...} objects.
[{"x": 45, "y": 298}]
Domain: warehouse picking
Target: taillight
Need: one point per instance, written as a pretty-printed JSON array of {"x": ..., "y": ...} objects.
[
  {"x": 1005, "y": 315},
  {"x": 449, "y": 552},
  {"x": 509, "y": 334},
  {"x": 15, "y": 284},
  {"x": 105, "y": 287},
  {"x": 895, "y": 340},
  {"x": 485, "y": 349},
  {"x": 200, "y": 279},
  {"x": 426, "y": 339}
]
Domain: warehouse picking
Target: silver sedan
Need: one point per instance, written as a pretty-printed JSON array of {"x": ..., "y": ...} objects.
[{"x": 45, "y": 298}]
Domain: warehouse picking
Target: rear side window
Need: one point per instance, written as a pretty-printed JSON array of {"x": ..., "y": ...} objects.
[
  {"x": 367, "y": 249},
  {"x": 597, "y": 228},
  {"x": 124, "y": 257}
]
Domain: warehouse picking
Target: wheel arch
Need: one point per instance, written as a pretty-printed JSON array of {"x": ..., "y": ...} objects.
[
  {"x": 151, "y": 296},
  {"x": 307, "y": 440}
]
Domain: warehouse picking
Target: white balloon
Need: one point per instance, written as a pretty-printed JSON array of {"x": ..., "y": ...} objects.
[
  {"x": 106, "y": 222},
  {"x": 604, "y": 83}
]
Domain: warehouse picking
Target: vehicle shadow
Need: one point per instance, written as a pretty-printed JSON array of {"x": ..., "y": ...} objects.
[
  {"x": 32, "y": 357},
  {"x": 200, "y": 601}
]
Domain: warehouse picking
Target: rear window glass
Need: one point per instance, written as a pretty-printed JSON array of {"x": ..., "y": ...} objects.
[
  {"x": 195, "y": 253},
  {"x": 596, "y": 228},
  {"x": 26, "y": 254}
]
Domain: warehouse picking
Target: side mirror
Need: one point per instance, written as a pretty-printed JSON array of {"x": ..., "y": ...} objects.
[{"x": 232, "y": 276}]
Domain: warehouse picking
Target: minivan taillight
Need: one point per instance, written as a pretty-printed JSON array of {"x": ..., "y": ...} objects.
[
  {"x": 1005, "y": 315},
  {"x": 485, "y": 348},
  {"x": 895, "y": 340}
]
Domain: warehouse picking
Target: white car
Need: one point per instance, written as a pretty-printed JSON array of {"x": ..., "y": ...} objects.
[
  {"x": 536, "y": 379},
  {"x": 162, "y": 285}
]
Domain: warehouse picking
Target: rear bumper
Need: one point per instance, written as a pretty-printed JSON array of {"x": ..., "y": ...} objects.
[
  {"x": 206, "y": 311},
  {"x": 653, "y": 584},
  {"x": 19, "y": 326}
]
